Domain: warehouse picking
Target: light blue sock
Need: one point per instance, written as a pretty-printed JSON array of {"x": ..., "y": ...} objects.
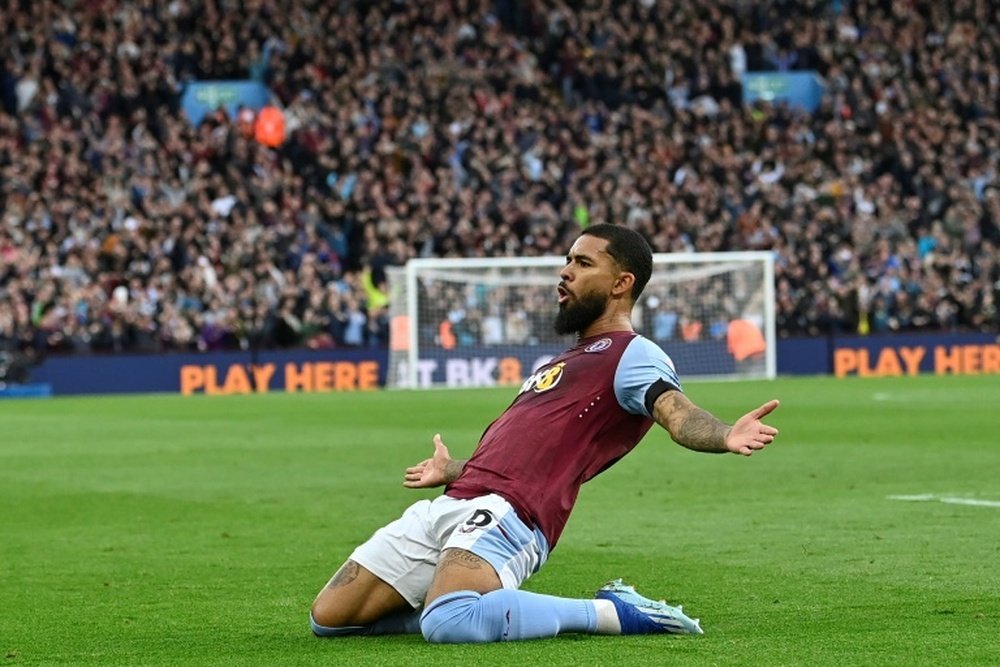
[
  {"x": 398, "y": 623},
  {"x": 503, "y": 615}
]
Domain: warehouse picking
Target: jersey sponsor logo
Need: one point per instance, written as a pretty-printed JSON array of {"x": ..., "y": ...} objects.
[
  {"x": 544, "y": 379},
  {"x": 598, "y": 345},
  {"x": 480, "y": 520}
]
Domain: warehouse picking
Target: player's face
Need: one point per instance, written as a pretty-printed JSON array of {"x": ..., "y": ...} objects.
[{"x": 585, "y": 284}]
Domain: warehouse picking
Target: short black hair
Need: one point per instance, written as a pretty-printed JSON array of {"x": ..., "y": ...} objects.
[{"x": 629, "y": 249}]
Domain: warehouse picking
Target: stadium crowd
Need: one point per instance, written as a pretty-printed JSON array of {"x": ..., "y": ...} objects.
[{"x": 475, "y": 128}]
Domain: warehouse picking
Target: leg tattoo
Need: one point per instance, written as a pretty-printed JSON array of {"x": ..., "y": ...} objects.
[
  {"x": 460, "y": 558},
  {"x": 347, "y": 573}
]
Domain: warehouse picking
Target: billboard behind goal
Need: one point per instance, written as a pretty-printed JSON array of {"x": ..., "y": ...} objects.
[{"x": 487, "y": 322}]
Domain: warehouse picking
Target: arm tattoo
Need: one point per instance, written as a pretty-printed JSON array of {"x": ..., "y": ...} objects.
[
  {"x": 453, "y": 469},
  {"x": 347, "y": 573},
  {"x": 690, "y": 425}
]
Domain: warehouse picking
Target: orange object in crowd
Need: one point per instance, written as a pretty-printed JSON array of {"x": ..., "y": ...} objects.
[
  {"x": 744, "y": 340},
  {"x": 691, "y": 330},
  {"x": 399, "y": 333},
  {"x": 269, "y": 128},
  {"x": 446, "y": 336}
]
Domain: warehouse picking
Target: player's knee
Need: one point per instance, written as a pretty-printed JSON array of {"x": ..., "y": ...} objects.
[
  {"x": 457, "y": 618},
  {"x": 326, "y": 615}
]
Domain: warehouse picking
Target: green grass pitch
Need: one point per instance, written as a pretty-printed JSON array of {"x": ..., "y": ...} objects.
[{"x": 163, "y": 530}]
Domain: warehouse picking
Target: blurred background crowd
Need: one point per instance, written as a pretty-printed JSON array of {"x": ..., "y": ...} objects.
[{"x": 467, "y": 128}]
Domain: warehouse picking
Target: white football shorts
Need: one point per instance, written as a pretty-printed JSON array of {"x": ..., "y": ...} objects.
[{"x": 405, "y": 553}]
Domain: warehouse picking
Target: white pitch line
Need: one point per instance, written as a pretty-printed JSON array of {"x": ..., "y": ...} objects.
[
  {"x": 970, "y": 501},
  {"x": 950, "y": 500}
]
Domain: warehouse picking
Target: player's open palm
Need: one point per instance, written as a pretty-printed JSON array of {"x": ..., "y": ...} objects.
[
  {"x": 430, "y": 472},
  {"x": 749, "y": 433}
]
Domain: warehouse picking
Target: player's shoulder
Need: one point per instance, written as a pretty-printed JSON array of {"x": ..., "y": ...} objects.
[
  {"x": 641, "y": 347},
  {"x": 644, "y": 353}
]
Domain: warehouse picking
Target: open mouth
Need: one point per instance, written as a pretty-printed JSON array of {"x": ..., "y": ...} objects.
[{"x": 564, "y": 294}]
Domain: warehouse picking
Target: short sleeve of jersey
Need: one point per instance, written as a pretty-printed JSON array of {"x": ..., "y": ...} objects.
[{"x": 642, "y": 365}]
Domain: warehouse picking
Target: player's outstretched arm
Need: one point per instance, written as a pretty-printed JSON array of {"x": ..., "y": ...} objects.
[
  {"x": 698, "y": 429},
  {"x": 438, "y": 470}
]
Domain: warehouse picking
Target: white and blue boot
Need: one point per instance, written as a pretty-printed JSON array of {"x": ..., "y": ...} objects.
[{"x": 639, "y": 615}]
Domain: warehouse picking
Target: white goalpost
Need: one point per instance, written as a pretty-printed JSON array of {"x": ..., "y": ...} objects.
[{"x": 488, "y": 321}]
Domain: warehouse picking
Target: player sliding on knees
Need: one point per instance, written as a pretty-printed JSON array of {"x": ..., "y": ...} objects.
[{"x": 451, "y": 568}]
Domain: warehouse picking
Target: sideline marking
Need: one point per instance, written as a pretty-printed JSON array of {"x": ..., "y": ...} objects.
[{"x": 950, "y": 500}]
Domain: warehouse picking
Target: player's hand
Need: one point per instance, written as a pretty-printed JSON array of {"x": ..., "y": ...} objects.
[
  {"x": 430, "y": 472},
  {"x": 749, "y": 434}
]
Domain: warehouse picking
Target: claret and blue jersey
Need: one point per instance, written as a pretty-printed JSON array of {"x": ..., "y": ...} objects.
[{"x": 571, "y": 419}]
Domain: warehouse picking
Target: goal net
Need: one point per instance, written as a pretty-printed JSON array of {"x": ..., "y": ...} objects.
[{"x": 486, "y": 322}]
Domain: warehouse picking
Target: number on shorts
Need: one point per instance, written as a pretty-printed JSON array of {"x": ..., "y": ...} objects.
[{"x": 479, "y": 519}]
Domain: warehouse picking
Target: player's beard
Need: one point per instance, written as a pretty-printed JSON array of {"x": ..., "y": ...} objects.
[{"x": 576, "y": 315}]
